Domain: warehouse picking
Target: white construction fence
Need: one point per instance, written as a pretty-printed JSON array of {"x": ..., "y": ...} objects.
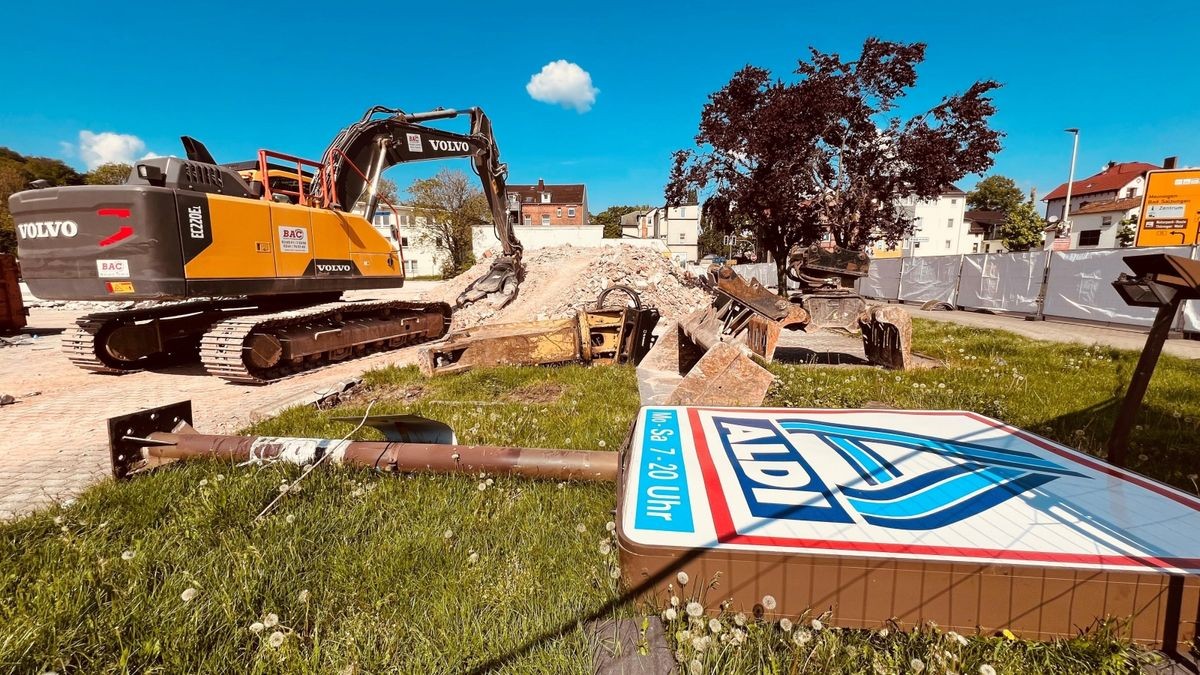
[{"x": 1078, "y": 283}]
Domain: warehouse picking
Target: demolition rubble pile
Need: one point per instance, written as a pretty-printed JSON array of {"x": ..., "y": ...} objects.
[{"x": 562, "y": 279}]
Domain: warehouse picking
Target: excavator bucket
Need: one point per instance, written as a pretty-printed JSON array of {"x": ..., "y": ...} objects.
[
  {"x": 887, "y": 337},
  {"x": 499, "y": 284}
]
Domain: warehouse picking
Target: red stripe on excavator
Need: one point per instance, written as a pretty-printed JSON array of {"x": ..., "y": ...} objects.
[
  {"x": 119, "y": 213},
  {"x": 124, "y": 233}
]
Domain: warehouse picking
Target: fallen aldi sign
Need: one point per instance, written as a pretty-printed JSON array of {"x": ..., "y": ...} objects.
[{"x": 887, "y": 513}]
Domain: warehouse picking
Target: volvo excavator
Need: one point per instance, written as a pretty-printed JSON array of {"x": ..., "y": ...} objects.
[{"x": 246, "y": 262}]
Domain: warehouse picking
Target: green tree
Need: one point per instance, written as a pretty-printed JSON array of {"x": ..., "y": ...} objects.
[
  {"x": 1023, "y": 228},
  {"x": 447, "y": 206},
  {"x": 610, "y": 218},
  {"x": 995, "y": 193},
  {"x": 111, "y": 173},
  {"x": 1127, "y": 232}
]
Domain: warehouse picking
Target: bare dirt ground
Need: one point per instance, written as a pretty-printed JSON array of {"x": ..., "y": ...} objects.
[{"x": 55, "y": 433}]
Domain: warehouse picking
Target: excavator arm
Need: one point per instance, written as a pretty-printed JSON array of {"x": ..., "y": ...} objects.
[{"x": 384, "y": 137}]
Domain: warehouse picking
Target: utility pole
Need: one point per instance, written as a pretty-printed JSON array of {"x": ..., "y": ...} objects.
[{"x": 1066, "y": 216}]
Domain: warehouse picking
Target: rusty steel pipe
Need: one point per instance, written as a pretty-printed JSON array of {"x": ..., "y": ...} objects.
[{"x": 389, "y": 456}]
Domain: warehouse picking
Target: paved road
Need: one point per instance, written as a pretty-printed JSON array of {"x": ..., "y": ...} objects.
[
  {"x": 55, "y": 435},
  {"x": 1061, "y": 331}
]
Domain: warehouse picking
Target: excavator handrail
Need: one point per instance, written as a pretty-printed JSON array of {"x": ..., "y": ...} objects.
[{"x": 269, "y": 192}]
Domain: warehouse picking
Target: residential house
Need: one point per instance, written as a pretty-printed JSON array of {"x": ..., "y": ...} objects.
[
  {"x": 1095, "y": 224},
  {"x": 1118, "y": 180},
  {"x": 548, "y": 205},
  {"x": 676, "y": 226},
  {"x": 939, "y": 227},
  {"x": 984, "y": 226},
  {"x": 402, "y": 229}
]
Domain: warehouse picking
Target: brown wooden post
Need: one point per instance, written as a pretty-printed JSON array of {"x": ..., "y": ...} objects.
[{"x": 1118, "y": 440}]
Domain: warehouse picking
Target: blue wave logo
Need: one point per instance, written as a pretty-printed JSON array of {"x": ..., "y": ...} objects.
[{"x": 779, "y": 482}]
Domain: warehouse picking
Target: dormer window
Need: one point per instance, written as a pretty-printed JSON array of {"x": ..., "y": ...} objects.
[{"x": 545, "y": 197}]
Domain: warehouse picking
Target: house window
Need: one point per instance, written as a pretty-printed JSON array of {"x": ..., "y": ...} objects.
[
  {"x": 410, "y": 266},
  {"x": 953, "y": 201},
  {"x": 947, "y": 243},
  {"x": 916, "y": 244},
  {"x": 683, "y": 212},
  {"x": 950, "y": 223},
  {"x": 571, "y": 213},
  {"x": 528, "y": 219},
  {"x": 404, "y": 241},
  {"x": 1105, "y": 221},
  {"x": 681, "y": 236},
  {"x": 381, "y": 218},
  {"x": 1089, "y": 238},
  {"x": 1130, "y": 192},
  {"x": 545, "y": 219},
  {"x": 545, "y": 197},
  {"x": 558, "y": 212},
  {"x": 975, "y": 247}
]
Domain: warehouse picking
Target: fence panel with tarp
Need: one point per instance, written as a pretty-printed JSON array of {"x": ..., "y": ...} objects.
[
  {"x": 883, "y": 280},
  {"x": 1008, "y": 282},
  {"x": 930, "y": 278},
  {"x": 1080, "y": 285}
]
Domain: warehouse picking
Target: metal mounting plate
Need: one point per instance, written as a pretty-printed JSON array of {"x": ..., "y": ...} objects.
[{"x": 125, "y": 450}]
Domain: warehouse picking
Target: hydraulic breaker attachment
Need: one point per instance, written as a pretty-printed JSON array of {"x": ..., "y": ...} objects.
[
  {"x": 592, "y": 336},
  {"x": 743, "y": 312},
  {"x": 887, "y": 337}
]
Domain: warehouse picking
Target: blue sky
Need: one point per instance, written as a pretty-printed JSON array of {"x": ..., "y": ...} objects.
[{"x": 288, "y": 76}]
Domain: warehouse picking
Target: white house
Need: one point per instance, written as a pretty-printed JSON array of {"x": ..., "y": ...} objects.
[
  {"x": 420, "y": 259},
  {"x": 939, "y": 227},
  {"x": 678, "y": 227},
  {"x": 1118, "y": 180},
  {"x": 1095, "y": 224}
]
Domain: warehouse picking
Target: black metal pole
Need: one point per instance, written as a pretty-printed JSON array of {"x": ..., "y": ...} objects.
[{"x": 1118, "y": 441}]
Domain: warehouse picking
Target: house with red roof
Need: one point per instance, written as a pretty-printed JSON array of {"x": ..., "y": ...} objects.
[{"x": 1118, "y": 180}]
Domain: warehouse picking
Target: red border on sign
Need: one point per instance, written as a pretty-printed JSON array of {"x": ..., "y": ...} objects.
[{"x": 728, "y": 534}]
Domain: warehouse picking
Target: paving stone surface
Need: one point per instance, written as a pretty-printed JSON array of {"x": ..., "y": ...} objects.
[{"x": 54, "y": 436}]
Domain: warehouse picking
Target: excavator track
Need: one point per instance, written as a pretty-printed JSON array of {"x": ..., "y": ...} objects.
[{"x": 261, "y": 348}]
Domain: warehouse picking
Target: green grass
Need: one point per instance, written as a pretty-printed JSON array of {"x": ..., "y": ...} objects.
[{"x": 387, "y": 591}]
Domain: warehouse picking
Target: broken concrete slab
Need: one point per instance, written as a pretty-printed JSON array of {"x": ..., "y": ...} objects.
[{"x": 724, "y": 376}]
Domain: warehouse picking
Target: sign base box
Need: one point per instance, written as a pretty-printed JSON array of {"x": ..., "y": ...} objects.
[{"x": 977, "y": 527}]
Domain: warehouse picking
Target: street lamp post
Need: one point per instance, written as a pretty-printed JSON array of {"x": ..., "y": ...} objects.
[{"x": 1066, "y": 216}]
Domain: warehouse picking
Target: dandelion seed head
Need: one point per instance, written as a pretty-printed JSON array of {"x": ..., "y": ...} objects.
[
  {"x": 615, "y": 573},
  {"x": 801, "y": 637},
  {"x": 674, "y": 601},
  {"x": 203, "y": 482},
  {"x": 739, "y": 619},
  {"x": 605, "y": 548},
  {"x": 610, "y": 526},
  {"x": 490, "y": 482},
  {"x": 581, "y": 528},
  {"x": 917, "y": 665},
  {"x": 817, "y": 625},
  {"x": 271, "y": 620},
  {"x": 303, "y": 597},
  {"x": 482, "y": 487},
  {"x": 695, "y": 609},
  {"x": 448, "y": 534},
  {"x": 768, "y": 602},
  {"x": 669, "y": 614},
  {"x": 473, "y": 558},
  {"x": 276, "y": 639},
  {"x": 127, "y": 555},
  {"x": 786, "y": 624},
  {"x": 715, "y": 625},
  {"x": 682, "y": 577},
  {"x": 601, "y": 443},
  {"x": 189, "y": 594},
  {"x": 257, "y": 627},
  {"x": 695, "y": 667},
  {"x": 291, "y": 518},
  {"x": 987, "y": 669}
]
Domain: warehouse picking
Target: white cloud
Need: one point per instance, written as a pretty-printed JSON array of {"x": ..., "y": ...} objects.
[
  {"x": 564, "y": 83},
  {"x": 108, "y": 146}
]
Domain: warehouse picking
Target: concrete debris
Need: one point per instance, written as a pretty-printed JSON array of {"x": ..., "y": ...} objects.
[{"x": 563, "y": 279}]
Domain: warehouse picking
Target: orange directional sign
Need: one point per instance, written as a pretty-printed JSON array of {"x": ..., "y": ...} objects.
[{"x": 1171, "y": 209}]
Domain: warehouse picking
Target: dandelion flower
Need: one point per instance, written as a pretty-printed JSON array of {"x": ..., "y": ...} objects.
[
  {"x": 986, "y": 669},
  {"x": 303, "y": 597},
  {"x": 670, "y": 614},
  {"x": 610, "y": 525},
  {"x": 786, "y": 625},
  {"x": 257, "y": 627},
  {"x": 127, "y": 555},
  {"x": 768, "y": 602},
  {"x": 695, "y": 609},
  {"x": 276, "y": 639},
  {"x": 581, "y": 528},
  {"x": 739, "y": 619},
  {"x": 188, "y": 594},
  {"x": 683, "y": 578},
  {"x": 801, "y": 637},
  {"x": 715, "y": 625},
  {"x": 917, "y": 665},
  {"x": 271, "y": 621},
  {"x": 817, "y": 625}
]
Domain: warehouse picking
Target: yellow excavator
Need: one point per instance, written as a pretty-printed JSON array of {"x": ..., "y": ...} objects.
[{"x": 246, "y": 262}]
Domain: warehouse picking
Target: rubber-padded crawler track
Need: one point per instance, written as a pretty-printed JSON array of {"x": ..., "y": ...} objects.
[{"x": 222, "y": 348}]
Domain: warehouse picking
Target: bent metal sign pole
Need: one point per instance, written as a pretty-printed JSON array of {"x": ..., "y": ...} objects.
[{"x": 940, "y": 516}]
